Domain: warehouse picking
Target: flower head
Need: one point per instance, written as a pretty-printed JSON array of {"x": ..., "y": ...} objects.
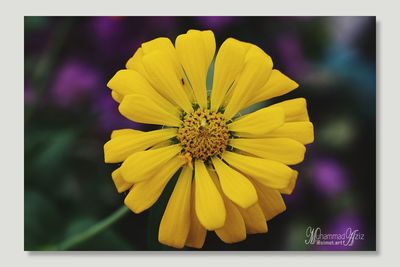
[{"x": 232, "y": 169}]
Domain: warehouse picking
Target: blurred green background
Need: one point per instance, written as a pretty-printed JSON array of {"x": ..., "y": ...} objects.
[{"x": 69, "y": 115}]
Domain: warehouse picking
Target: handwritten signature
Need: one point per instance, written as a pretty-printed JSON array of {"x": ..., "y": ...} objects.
[{"x": 347, "y": 238}]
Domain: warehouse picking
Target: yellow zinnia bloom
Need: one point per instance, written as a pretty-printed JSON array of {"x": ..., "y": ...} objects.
[{"x": 232, "y": 168}]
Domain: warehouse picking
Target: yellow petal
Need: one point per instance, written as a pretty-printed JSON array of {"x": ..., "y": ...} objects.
[
  {"x": 300, "y": 131},
  {"x": 140, "y": 108},
  {"x": 235, "y": 185},
  {"x": 162, "y": 144},
  {"x": 117, "y": 97},
  {"x": 234, "y": 229},
  {"x": 145, "y": 164},
  {"x": 284, "y": 150},
  {"x": 270, "y": 173},
  {"x": 126, "y": 82},
  {"x": 228, "y": 64},
  {"x": 175, "y": 223},
  {"x": 119, "y": 182},
  {"x": 259, "y": 122},
  {"x": 209, "y": 42},
  {"x": 121, "y": 147},
  {"x": 162, "y": 70},
  {"x": 255, "y": 74},
  {"x": 289, "y": 189},
  {"x": 197, "y": 233},
  {"x": 210, "y": 207},
  {"x": 162, "y": 44},
  {"x": 165, "y": 45},
  {"x": 159, "y": 44},
  {"x": 195, "y": 51},
  {"x": 270, "y": 201},
  {"x": 295, "y": 109},
  {"x": 278, "y": 84},
  {"x": 136, "y": 63},
  {"x": 121, "y": 132},
  {"x": 144, "y": 194},
  {"x": 254, "y": 219}
]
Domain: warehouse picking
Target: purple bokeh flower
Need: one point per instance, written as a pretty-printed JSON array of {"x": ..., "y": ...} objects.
[
  {"x": 329, "y": 177},
  {"x": 292, "y": 56},
  {"x": 73, "y": 83}
]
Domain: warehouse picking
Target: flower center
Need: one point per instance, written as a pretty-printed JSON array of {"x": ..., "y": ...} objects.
[{"x": 203, "y": 134}]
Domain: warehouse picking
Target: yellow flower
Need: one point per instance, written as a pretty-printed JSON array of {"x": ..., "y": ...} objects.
[{"x": 232, "y": 168}]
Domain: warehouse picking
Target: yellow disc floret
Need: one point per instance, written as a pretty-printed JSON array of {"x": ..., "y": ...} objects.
[{"x": 203, "y": 134}]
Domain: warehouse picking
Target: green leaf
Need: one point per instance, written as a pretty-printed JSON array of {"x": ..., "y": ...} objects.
[{"x": 53, "y": 151}]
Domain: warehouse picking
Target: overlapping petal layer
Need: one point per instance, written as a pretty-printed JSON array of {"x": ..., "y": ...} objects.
[
  {"x": 256, "y": 71},
  {"x": 122, "y": 146},
  {"x": 270, "y": 173},
  {"x": 209, "y": 205},
  {"x": 120, "y": 184},
  {"x": 284, "y": 150},
  {"x": 145, "y": 164},
  {"x": 160, "y": 67},
  {"x": 278, "y": 84},
  {"x": 197, "y": 232},
  {"x": 235, "y": 185},
  {"x": 234, "y": 229},
  {"x": 195, "y": 51},
  {"x": 271, "y": 202},
  {"x": 143, "y": 194},
  {"x": 175, "y": 223},
  {"x": 302, "y": 131},
  {"x": 254, "y": 219},
  {"x": 141, "y": 108},
  {"x": 259, "y": 122},
  {"x": 126, "y": 82},
  {"x": 228, "y": 65},
  {"x": 289, "y": 189},
  {"x": 295, "y": 109}
]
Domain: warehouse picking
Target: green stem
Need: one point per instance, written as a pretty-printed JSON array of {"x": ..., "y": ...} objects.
[{"x": 93, "y": 230}]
